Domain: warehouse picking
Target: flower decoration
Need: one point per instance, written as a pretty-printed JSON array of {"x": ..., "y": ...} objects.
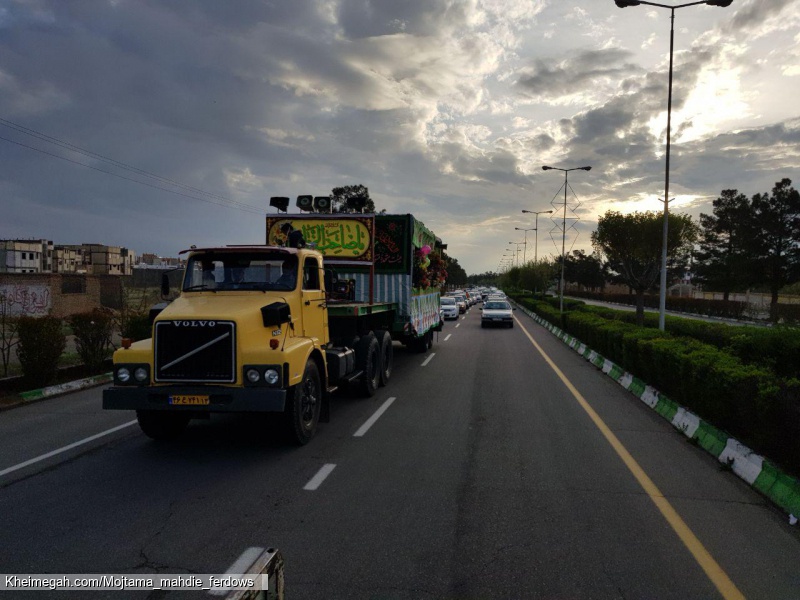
[{"x": 429, "y": 269}]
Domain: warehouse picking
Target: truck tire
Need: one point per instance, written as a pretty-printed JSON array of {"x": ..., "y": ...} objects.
[
  {"x": 368, "y": 359},
  {"x": 387, "y": 356},
  {"x": 422, "y": 343},
  {"x": 303, "y": 404},
  {"x": 162, "y": 425}
]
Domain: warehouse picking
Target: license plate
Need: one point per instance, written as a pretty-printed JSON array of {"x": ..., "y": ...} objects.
[
  {"x": 190, "y": 400},
  {"x": 497, "y": 319}
]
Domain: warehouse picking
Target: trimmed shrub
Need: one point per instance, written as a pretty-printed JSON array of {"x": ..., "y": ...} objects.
[
  {"x": 93, "y": 332},
  {"x": 41, "y": 343}
]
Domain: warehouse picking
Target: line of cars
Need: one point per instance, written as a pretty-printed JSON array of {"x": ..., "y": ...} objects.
[{"x": 496, "y": 310}]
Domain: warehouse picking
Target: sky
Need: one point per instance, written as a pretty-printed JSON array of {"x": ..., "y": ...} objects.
[{"x": 155, "y": 125}]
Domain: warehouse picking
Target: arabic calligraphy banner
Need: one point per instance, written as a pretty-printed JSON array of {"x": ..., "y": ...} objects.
[
  {"x": 345, "y": 238},
  {"x": 391, "y": 244}
]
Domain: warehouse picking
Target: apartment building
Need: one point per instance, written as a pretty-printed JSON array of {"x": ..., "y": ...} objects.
[
  {"x": 26, "y": 256},
  {"x": 41, "y": 256}
]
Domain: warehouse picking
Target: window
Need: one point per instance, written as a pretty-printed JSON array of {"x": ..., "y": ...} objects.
[{"x": 311, "y": 274}]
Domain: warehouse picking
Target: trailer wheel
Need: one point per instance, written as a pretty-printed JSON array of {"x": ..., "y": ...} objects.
[
  {"x": 301, "y": 414},
  {"x": 421, "y": 344},
  {"x": 387, "y": 356},
  {"x": 368, "y": 359},
  {"x": 161, "y": 425}
]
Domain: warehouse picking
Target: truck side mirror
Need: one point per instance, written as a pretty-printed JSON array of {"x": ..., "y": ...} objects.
[
  {"x": 276, "y": 314},
  {"x": 164, "y": 284}
]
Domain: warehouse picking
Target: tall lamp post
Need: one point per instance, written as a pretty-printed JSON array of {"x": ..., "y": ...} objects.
[
  {"x": 536, "y": 229},
  {"x": 662, "y": 297},
  {"x": 564, "y": 225},
  {"x": 518, "y": 245},
  {"x": 525, "y": 244}
]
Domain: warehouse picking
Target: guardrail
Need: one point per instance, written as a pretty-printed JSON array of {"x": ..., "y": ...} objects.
[{"x": 269, "y": 564}]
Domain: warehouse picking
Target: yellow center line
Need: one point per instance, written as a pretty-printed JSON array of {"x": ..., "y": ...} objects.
[{"x": 712, "y": 569}]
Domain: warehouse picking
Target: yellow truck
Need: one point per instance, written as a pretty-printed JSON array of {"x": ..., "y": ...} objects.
[{"x": 275, "y": 329}]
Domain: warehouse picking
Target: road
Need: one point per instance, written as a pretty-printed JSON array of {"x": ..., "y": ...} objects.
[{"x": 503, "y": 465}]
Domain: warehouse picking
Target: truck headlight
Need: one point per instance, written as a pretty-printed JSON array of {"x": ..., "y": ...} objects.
[
  {"x": 132, "y": 374},
  {"x": 271, "y": 376},
  {"x": 262, "y": 375}
]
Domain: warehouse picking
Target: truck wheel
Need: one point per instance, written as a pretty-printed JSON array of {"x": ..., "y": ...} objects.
[
  {"x": 161, "y": 425},
  {"x": 387, "y": 356},
  {"x": 303, "y": 406},
  {"x": 421, "y": 344},
  {"x": 368, "y": 359}
]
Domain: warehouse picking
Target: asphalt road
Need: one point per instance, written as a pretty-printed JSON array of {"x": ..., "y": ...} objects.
[{"x": 484, "y": 477}]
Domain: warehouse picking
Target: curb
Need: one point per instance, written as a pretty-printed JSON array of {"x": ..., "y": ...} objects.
[
  {"x": 57, "y": 390},
  {"x": 762, "y": 475}
]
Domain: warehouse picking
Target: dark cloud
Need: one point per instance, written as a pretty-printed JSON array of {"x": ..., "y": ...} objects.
[{"x": 572, "y": 76}]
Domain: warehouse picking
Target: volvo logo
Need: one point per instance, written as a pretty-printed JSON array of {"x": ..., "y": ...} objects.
[{"x": 194, "y": 323}]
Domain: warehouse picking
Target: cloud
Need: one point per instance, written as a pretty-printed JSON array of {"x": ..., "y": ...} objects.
[{"x": 575, "y": 75}]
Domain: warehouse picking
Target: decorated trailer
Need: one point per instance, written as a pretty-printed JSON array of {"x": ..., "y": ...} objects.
[{"x": 384, "y": 259}]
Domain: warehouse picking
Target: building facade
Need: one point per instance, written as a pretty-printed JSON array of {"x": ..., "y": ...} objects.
[{"x": 26, "y": 256}]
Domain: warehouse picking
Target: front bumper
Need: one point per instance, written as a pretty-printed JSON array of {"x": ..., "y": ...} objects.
[
  {"x": 221, "y": 399},
  {"x": 497, "y": 319}
]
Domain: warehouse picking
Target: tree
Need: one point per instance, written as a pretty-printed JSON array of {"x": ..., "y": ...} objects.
[
  {"x": 344, "y": 199},
  {"x": 722, "y": 260},
  {"x": 586, "y": 270},
  {"x": 776, "y": 221},
  {"x": 632, "y": 245},
  {"x": 9, "y": 326},
  {"x": 538, "y": 276},
  {"x": 456, "y": 275}
]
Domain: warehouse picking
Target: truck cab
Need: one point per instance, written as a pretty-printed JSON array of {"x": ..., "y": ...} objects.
[{"x": 248, "y": 333}]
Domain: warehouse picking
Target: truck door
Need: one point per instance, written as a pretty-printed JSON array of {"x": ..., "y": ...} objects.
[{"x": 315, "y": 312}]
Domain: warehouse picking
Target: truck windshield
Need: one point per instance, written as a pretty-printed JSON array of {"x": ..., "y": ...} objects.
[{"x": 261, "y": 271}]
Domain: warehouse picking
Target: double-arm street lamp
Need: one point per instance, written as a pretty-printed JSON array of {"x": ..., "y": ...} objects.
[
  {"x": 662, "y": 299},
  {"x": 525, "y": 244},
  {"x": 564, "y": 224}
]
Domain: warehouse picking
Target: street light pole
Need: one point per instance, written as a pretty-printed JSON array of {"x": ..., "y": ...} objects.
[
  {"x": 518, "y": 245},
  {"x": 662, "y": 296},
  {"x": 564, "y": 224},
  {"x": 536, "y": 229},
  {"x": 525, "y": 247}
]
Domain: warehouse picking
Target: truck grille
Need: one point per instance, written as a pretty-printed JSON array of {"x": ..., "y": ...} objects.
[{"x": 195, "y": 350}]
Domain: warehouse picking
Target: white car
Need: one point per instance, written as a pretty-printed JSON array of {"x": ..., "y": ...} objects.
[
  {"x": 496, "y": 312},
  {"x": 449, "y": 307}
]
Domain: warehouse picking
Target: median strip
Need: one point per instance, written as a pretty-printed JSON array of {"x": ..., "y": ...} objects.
[{"x": 782, "y": 489}]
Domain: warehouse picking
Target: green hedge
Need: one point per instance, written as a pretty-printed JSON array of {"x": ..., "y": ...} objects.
[
  {"x": 774, "y": 348},
  {"x": 41, "y": 343},
  {"x": 757, "y": 402}
]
